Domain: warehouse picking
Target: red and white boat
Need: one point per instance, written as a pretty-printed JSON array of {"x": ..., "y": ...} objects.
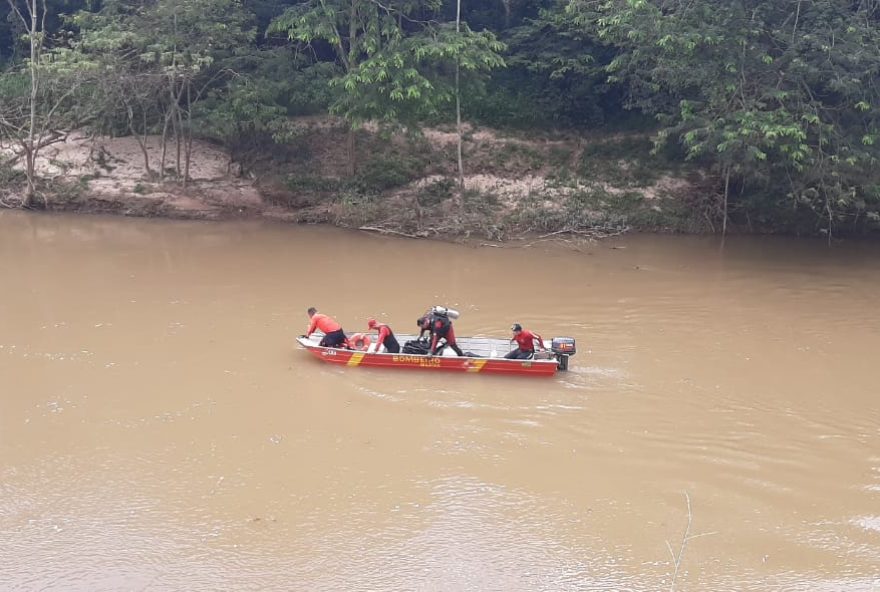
[{"x": 487, "y": 356}]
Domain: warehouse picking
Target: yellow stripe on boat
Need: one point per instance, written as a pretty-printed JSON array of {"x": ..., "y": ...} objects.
[
  {"x": 355, "y": 359},
  {"x": 477, "y": 365}
]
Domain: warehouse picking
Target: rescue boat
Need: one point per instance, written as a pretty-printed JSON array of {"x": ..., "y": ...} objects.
[{"x": 485, "y": 356}]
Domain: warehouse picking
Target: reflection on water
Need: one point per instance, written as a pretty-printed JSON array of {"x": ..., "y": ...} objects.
[{"x": 159, "y": 432}]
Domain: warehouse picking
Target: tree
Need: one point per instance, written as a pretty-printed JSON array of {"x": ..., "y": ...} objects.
[
  {"x": 38, "y": 102},
  {"x": 779, "y": 96},
  {"x": 159, "y": 58},
  {"x": 244, "y": 116},
  {"x": 458, "y": 97},
  {"x": 131, "y": 87},
  {"x": 395, "y": 62}
]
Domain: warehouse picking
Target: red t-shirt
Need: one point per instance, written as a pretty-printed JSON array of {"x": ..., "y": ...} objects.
[
  {"x": 525, "y": 340},
  {"x": 384, "y": 331},
  {"x": 324, "y": 323}
]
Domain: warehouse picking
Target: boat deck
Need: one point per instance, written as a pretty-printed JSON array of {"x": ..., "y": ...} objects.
[{"x": 480, "y": 347}]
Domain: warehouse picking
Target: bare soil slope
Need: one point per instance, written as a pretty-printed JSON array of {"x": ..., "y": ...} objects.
[{"x": 403, "y": 183}]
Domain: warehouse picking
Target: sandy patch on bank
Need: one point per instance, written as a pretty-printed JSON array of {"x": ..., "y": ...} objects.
[
  {"x": 510, "y": 191},
  {"x": 114, "y": 171},
  {"x": 473, "y": 136}
]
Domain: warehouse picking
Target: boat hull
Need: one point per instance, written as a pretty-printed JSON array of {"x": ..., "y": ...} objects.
[{"x": 473, "y": 365}]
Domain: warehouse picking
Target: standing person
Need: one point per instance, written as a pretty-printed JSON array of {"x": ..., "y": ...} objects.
[
  {"x": 386, "y": 337},
  {"x": 441, "y": 328},
  {"x": 526, "y": 341},
  {"x": 334, "y": 336}
]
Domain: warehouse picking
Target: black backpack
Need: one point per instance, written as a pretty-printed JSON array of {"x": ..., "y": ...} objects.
[{"x": 418, "y": 347}]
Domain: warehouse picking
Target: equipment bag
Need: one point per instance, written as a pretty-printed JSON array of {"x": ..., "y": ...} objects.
[{"x": 418, "y": 347}]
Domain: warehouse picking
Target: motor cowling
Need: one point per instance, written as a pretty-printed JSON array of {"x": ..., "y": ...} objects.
[{"x": 563, "y": 346}]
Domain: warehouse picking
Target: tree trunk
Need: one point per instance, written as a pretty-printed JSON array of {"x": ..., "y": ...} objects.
[
  {"x": 352, "y": 154},
  {"x": 506, "y": 5},
  {"x": 30, "y": 174},
  {"x": 726, "y": 196},
  {"x": 175, "y": 103},
  {"x": 164, "y": 146},
  {"x": 141, "y": 140},
  {"x": 187, "y": 134},
  {"x": 178, "y": 130},
  {"x": 458, "y": 112},
  {"x": 35, "y": 26},
  {"x": 32, "y": 129},
  {"x": 830, "y": 218},
  {"x": 352, "y": 64}
]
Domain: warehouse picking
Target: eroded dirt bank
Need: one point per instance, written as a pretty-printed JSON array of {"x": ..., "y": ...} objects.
[{"x": 402, "y": 183}]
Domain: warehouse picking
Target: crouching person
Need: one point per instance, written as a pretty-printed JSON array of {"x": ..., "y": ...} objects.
[
  {"x": 386, "y": 337},
  {"x": 525, "y": 341},
  {"x": 334, "y": 336}
]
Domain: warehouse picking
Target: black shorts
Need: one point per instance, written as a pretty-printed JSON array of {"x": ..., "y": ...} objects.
[
  {"x": 519, "y": 354},
  {"x": 333, "y": 339},
  {"x": 392, "y": 346}
]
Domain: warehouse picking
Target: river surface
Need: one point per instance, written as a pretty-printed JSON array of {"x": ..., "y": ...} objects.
[{"x": 159, "y": 430}]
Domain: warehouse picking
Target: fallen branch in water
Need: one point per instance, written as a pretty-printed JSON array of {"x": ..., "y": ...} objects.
[
  {"x": 557, "y": 233},
  {"x": 381, "y": 230},
  {"x": 598, "y": 233}
]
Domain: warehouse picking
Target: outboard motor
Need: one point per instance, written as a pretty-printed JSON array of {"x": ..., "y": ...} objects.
[{"x": 563, "y": 348}]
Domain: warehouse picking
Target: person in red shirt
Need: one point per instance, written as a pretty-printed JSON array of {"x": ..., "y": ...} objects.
[
  {"x": 386, "y": 337},
  {"x": 334, "y": 336},
  {"x": 526, "y": 342}
]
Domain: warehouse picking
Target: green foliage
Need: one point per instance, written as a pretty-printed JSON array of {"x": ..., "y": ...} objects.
[
  {"x": 516, "y": 157},
  {"x": 242, "y": 116},
  {"x": 378, "y": 174},
  {"x": 49, "y": 96},
  {"x": 253, "y": 107},
  {"x": 559, "y": 157},
  {"x": 178, "y": 38},
  {"x": 435, "y": 192},
  {"x": 780, "y": 95},
  {"x": 480, "y": 202},
  {"x": 381, "y": 173},
  {"x": 157, "y": 60},
  {"x": 593, "y": 207},
  {"x": 555, "y": 77},
  {"x": 389, "y": 72},
  {"x": 314, "y": 184},
  {"x": 9, "y": 176},
  {"x": 148, "y": 50},
  {"x": 627, "y": 160},
  {"x": 14, "y": 39},
  {"x": 411, "y": 80}
]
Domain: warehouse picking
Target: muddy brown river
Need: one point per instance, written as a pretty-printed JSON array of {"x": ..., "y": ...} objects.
[{"x": 159, "y": 431}]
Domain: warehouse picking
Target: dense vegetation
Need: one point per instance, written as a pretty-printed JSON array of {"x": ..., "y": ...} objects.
[{"x": 777, "y": 100}]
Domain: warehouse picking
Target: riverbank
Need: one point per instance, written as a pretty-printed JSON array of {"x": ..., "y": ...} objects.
[{"x": 402, "y": 183}]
